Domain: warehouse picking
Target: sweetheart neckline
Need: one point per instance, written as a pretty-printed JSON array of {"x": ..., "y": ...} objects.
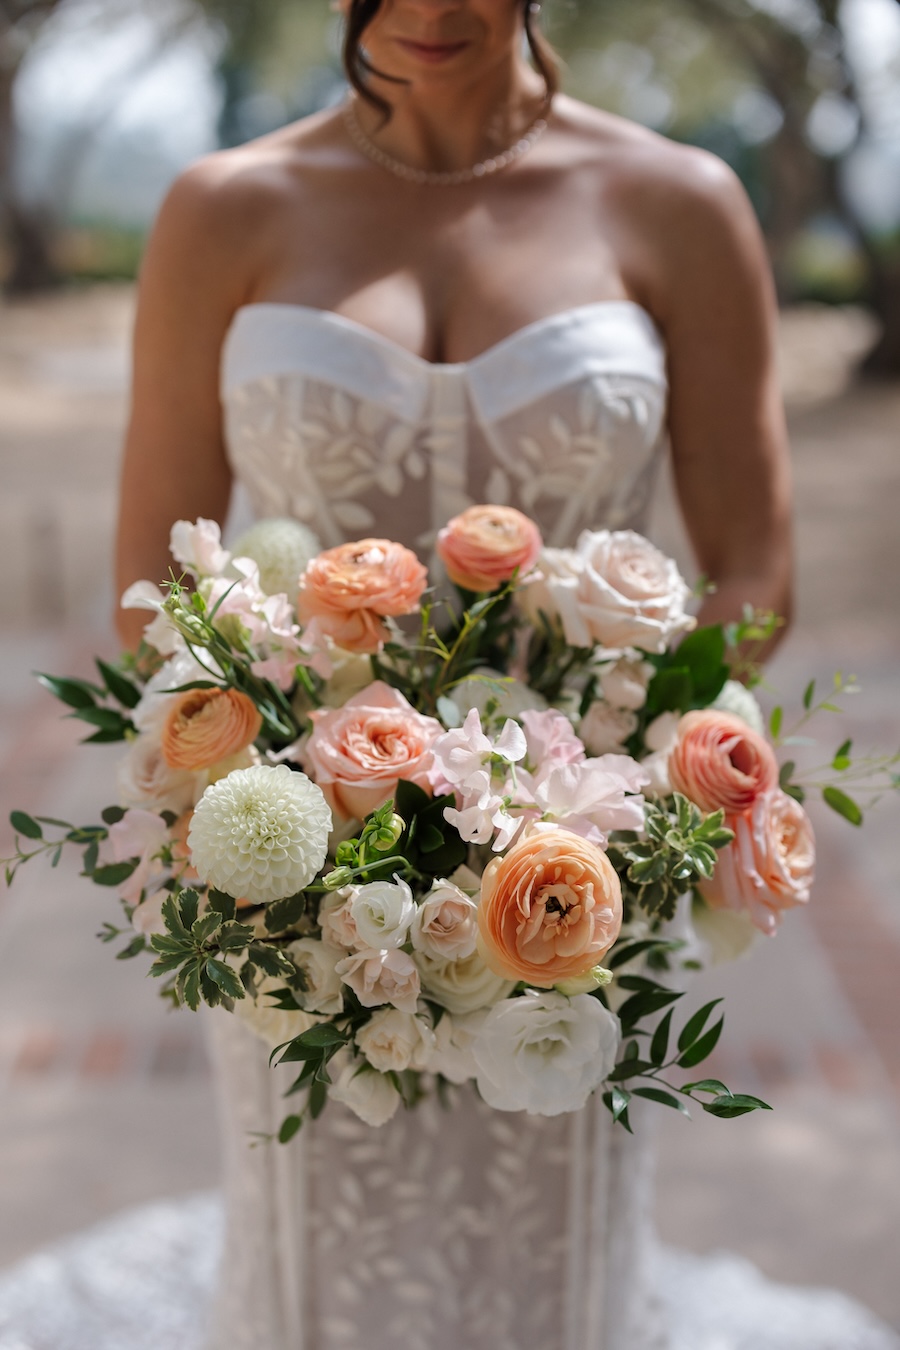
[{"x": 371, "y": 335}]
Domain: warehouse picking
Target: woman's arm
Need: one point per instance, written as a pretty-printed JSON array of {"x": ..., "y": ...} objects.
[
  {"x": 715, "y": 299},
  {"x": 174, "y": 463}
]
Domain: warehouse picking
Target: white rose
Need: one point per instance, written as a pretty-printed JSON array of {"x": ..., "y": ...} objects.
[
  {"x": 604, "y": 729},
  {"x": 378, "y": 977},
  {"x": 625, "y": 684},
  {"x": 369, "y": 1094},
  {"x": 394, "y": 1040},
  {"x": 511, "y": 697},
  {"x": 336, "y": 921},
  {"x": 317, "y": 961},
  {"x": 615, "y": 589},
  {"x": 461, "y": 986},
  {"x": 544, "y": 1053},
  {"x": 736, "y": 699},
  {"x": 445, "y": 924},
  {"x": 660, "y": 737},
  {"x": 383, "y": 912},
  {"x": 454, "y": 1037},
  {"x": 272, "y": 1024},
  {"x": 727, "y": 934},
  {"x": 144, "y": 779}
]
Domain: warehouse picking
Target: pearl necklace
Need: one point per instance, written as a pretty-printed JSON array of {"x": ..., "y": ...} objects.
[{"x": 451, "y": 178}]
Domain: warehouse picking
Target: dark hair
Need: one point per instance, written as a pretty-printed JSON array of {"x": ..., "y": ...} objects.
[{"x": 357, "y": 65}]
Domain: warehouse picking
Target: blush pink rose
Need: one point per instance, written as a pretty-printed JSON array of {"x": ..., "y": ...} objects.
[
  {"x": 486, "y": 545},
  {"x": 720, "y": 762},
  {"x": 770, "y": 864},
  {"x": 347, "y": 592},
  {"x": 358, "y": 753}
]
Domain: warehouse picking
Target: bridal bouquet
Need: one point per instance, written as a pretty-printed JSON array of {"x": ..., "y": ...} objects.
[{"x": 416, "y": 836}]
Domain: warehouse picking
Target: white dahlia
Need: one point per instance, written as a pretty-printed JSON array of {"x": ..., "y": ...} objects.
[
  {"x": 281, "y": 550},
  {"x": 261, "y": 834}
]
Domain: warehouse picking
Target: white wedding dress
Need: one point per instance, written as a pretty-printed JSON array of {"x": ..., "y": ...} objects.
[{"x": 455, "y": 1228}]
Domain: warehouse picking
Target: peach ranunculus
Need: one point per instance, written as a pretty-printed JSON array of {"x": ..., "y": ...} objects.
[
  {"x": 770, "y": 864},
  {"x": 358, "y": 753},
  {"x": 486, "y": 545},
  {"x": 550, "y": 909},
  {"x": 347, "y": 592},
  {"x": 206, "y": 725},
  {"x": 720, "y": 762}
]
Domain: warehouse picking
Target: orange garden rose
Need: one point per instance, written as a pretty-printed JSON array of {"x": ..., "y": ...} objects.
[
  {"x": 482, "y": 548},
  {"x": 206, "y": 725},
  {"x": 770, "y": 864},
  {"x": 348, "y": 591},
  {"x": 550, "y": 909},
  {"x": 720, "y": 762}
]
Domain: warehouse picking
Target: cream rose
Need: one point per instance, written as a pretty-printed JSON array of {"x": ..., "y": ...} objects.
[
  {"x": 445, "y": 925},
  {"x": 143, "y": 778},
  {"x": 605, "y": 729},
  {"x": 316, "y": 962},
  {"x": 368, "y": 1094},
  {"x": 272, "y": 1024},
  {"x": 382, "y": 912},
  {"x": 545, "y": 1053},
  {"x": 624, "y": 684},
  {"x": 614, "y": 589},
  {"x": 358, "y": 753},
  {"x": 769, "y": 866},
  {"x": 336, "y": 921},
  {"x": 462, "y": 986},
  {"x": 394, "y": 1041}
]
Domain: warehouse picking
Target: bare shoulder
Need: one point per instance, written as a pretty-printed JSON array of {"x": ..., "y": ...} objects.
[
  {"x": 218, "y": 215},
  {"x": 693, "y": 226}
]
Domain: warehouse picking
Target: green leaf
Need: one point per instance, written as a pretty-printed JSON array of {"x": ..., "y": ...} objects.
[
  {"x": 644, "y": 1005},
  {"x": 107, "y": 719},
  {"x": 188, "y": 908},
  {"x": 283, "y": 914},
  {"x": 289, "y": 1127},
  {"x": 809, "y": 694},
  {"x": 842, "y": 759},
  {"x": 111, "y": 815},
  {"x": 318, "y": 1096},
  {"x": 114, "y": 874},
  {"x": 670, "y": 691},
  {"x": 227, "y": 979},
  {"x": 224, "y": 905},
  {"x": 205, "y": 929},
  {"x": 630, "y": 1068},
  {"x": 74, "y": 693},
  {"x": 693, "y": 1028},
  {"x": 703, "y": 654},
  {"x": 634, "y": 949},
  {"x": 121, "y": 689},
  {"x": 25, "y": 824},
  {"x": 703, "y": 1047},
  {"x": 322, "y": 1035},
  {"x": 108, "y": 737},
  {"x": 727, "y": 1107},
  {"x": 134, "y": 948},
  {"x": 660, "y": 1044},
  {"x": 664, "y": 1098},
  {"x": 234, "y": 937},
  {"x": 648, "y": 870},
  {"x": 189, "y": 987},
  {"x": 775, "y": 722},
  {"x": 620, "y": 1099},
  {"x": 713, "y": 1085},
  {"x": 844, "y": 806}
]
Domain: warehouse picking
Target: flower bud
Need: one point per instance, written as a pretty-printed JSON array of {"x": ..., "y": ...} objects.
[
  {"x": 597, "y": 978},
  {"x": 341, "y": 876},
  {"x": 388, "y": 834}
]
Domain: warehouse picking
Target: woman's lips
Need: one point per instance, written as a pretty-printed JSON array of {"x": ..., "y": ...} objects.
[{"x": 434, "y": 53}]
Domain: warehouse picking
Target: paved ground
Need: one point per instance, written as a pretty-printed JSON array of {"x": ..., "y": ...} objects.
[{"x": 105, "y": 1098}]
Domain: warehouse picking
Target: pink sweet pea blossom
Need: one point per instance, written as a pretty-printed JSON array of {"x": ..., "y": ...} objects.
[
  {"x": 593, "y": 797},
  {"x": 139, "y": 834},
  {"x": 551, "y": 739},
  {"x": 198, "y": 547}
]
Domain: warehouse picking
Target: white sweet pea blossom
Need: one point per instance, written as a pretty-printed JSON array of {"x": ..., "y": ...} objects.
[
  {"x": 160, "y": 632},
  {"x": 379, "y": 977},
  {"x": 465, "y": 761},
  {"x": 368, "y": 1094},
  {"x": 382, "y": 912},
  {"x": 605, "y": 729},
  {"x": 544, "y": 1053},
  {"x": 394, "y": 1040},
  {"x": 198, "y": 547},
  {"x": 445, "y": 924}
]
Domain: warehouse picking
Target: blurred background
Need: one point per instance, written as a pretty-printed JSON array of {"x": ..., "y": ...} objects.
[{"x": 105, "y": 1099}]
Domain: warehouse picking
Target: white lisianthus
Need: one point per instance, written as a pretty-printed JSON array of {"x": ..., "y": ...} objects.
[
  {"x": 394, "y": 1040},
  {"x": 624, "y": 683},
  {"x": 260, "y": 834},
  {"x": 272, "y": 1024},
  {"x": 445, "y": 925},
  {"x": 454, "y": 1037},
  {"x": 316, "y": 961},
  {"x": 282, "y": 549},
  {"x": 144, "y": 779},
  {"x": 370, "y": 1095},
  {"x": 544, "y": 1053},
  {"x": 736, "y": 699},
  {"x": 605, "y": 729},
  {"x": 378, "y": 977},
  {"x": 461, "y": 986},
  {"x": 382, "y": 912}
]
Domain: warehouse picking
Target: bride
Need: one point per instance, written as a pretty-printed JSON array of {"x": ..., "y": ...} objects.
[{"x": 458, "y": 287}]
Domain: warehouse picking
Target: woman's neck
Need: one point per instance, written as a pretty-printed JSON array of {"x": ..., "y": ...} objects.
[{"x": 448, "y": 127}]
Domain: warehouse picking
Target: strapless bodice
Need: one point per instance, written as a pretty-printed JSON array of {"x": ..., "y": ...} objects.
[{"x": 337, "y": 426}]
